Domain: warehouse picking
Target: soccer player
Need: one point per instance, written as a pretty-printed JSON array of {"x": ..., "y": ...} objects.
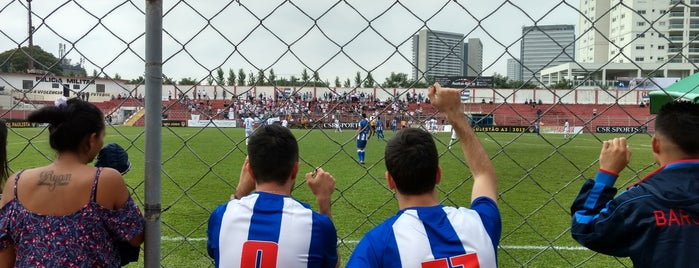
[
  {"x": 249, "y": 127},
  {"x": 566, "y": 129},
  {"x": 453, "y": 139},
  {"x": 363, "y": 133},
  {"x": 338, "y": 128},
  {"x": 394, "y": 124},
  {"x": 270, "y": 228},
  {"x": 654, "y": 221},
  {"x": 425, "y": 233},
  {"x": 379, "y": 129}
]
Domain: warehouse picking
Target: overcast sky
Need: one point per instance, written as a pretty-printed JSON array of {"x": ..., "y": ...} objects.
[{"x": 336, "y": 38}]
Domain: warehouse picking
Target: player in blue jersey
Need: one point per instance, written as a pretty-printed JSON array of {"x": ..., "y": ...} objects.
[
  {"x": 379, "y": 129},
  {"x": 363, "y": 134},
  {"x": 656, "y": 221},
  {"x": 425, "y": 233},
  {"x": 269, "y": 228}
]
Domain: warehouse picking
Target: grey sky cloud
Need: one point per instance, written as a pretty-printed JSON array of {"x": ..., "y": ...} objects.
[{"x": 336, "y": 38}]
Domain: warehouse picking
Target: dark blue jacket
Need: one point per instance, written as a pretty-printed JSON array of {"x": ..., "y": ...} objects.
[{"x": 655, "y": 222}]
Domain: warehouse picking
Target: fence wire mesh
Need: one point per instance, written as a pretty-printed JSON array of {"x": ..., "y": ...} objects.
[{"x": 313, "y": 63}]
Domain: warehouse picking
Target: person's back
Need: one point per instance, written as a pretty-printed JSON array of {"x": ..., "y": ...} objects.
[
  {"x": 269, "y": 227},
  {"x": 68, "y": 213},
  {"x": 286, "y": 231},
  {"x": 654, "y": 222},
  {"x": 425, "y": 233}
]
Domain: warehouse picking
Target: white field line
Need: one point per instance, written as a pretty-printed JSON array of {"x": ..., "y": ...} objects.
[{"x": 519, "y": 247}]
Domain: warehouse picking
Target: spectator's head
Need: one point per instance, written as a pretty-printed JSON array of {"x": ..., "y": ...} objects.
[
  {"x": 363, "y": 115},
  {"x": 412, "y": 161},
  {"x": 273, "y": 154},
  {"x": 677, "y": 125},
  {"x": 75, "y": 126},
  {"x": 113, "y": 156}
]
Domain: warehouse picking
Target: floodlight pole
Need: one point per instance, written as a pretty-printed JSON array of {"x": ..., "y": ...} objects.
[{"x": 30, "y": 66}]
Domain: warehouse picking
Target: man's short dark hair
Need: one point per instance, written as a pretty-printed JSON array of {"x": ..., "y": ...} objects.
[
  {"x": 679, "y": 122},
  {"x": 273, "y": 152},
  {"x": 412, "y": 160}
]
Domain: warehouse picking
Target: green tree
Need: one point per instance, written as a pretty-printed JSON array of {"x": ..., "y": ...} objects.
[
  {"x": 241, "y": 77},
  {"x": 337, "y": 81},
  {"x": 368, "y": 81},
  {"x": 17, "y": 60},
  {"x": 231, "y": 77},
  {"x": 500, "y": 82},
  {"x": 396, "y": 80},
  {"x": 272, "y": 77},
  {"x": 137, "y": 81},
  {"x": 305, "y": 77},
  {"x": 563, "y": 84},
  {"x": 316, "y": 77},
  {"x": 293, "y": 80},
  {"x": 261, "y": 78},
  {"x": 95, "y": 74},
  {"x": 210, "y": 80},
  {"x": 188, "y": 81},
  {"x": 219, "y": 77},
  {"x": 117, "y": 76},
  {"x": 168, "y": 81},
  {"x": 358, "y": 80},
  {"x": 251, "y": 79},
  {"x": 347, "y": 83}
]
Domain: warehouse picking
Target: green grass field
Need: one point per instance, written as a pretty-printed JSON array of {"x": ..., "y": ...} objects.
[{"x": 538, "y": 179}]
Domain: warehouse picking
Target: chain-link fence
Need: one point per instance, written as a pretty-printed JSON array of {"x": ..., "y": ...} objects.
[{"x": 317, "y": 65}]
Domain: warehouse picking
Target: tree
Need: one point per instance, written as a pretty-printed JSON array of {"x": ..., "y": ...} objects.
[
  {"x": 168, "y": 81},
  {"x": 368, "y": 81},
  {"x": 219, "y": 77},
  {"x": 397, "y": 80},
  {"x": 294, "y": 80},
  {"x": 337, "y": 81},
  {"x": 210, "y": 80},
  {"x": 117, "y": 76},
  {"x": 188, "y": 81},
  {"x": 347, "y": 83},
  {"x": 316, "y": 77},
  {"x": 358, "y": 80},
  {"x": 241, "y": 77},
  {"x": 137, "y": 81},
  {"x": 272, "y": 77},
  {"x": 95, "y": 74},
  {"x": 305, "y": 77},
  {"x": 231, "y": 77},
  {"x": 251, "y": 79},
  {"x": 261, "y": 77},
  {"x": 17, "y": 60},
  {"x": 500, "y": 82},
  {"x": 563, "y": 84}
]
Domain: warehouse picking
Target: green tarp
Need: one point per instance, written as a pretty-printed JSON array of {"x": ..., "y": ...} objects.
[{"x": 686, "y": 89}]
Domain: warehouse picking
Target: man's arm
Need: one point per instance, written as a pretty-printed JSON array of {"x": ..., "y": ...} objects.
[
  {"x": 246, "y": 183},
  {"x": 448, "y": 101},
  {"x": 322, "y": 185}
]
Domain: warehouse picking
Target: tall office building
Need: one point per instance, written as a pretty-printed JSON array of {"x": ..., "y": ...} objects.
[
  {"x": 545, "y": 46},
  {"x": 437, "y": 53},
  {"x": 473, "y": 57},
  {"x": 514, "y": 70},
  {"x": 636, "y": 31}
]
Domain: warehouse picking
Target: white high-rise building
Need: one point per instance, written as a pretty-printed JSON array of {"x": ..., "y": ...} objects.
[
  {"x": 635, "y": 31},
  {"x": 437, "y": 53},
  {"x": 514, "y": 70}
]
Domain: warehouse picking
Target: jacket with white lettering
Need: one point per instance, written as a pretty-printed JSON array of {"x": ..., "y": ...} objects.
[{"x": 655, "y": 222}]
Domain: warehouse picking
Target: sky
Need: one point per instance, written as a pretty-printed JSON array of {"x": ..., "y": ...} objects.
[{"x": 336, "y": 38}]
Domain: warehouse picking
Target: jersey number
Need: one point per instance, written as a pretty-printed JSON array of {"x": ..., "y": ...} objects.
[
  {"x": 462, "y": 261},
  {"x": 259, "y": 254}
]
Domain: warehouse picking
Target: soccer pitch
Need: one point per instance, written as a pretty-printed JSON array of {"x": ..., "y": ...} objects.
[{"x": 538, "y": 178}]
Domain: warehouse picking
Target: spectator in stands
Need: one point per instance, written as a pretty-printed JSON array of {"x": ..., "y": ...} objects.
[
  {"x": 424, "y": 232},
  {"x": 654, "y": 222},
  {"x": 90, "y": 208},
  {"x": 269, "y": 228}
]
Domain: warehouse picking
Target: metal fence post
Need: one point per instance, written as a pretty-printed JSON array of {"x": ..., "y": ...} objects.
[{"x": 153, "y": 154}]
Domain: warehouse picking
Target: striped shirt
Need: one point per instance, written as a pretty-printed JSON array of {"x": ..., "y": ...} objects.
[
  {"x": 436, "y": 236},
  {"x": 270, "y": 230}
]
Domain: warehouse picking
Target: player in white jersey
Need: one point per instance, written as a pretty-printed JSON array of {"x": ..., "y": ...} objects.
[
  {"x": 249, "y": 127},
  {"x": 566, "y": 129},
  {"x": 425, "y": 233},
  {"x": 338, "y": 128},
  {"x": 270, "y": 228},
  {"x": 453, "y": 138}
]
